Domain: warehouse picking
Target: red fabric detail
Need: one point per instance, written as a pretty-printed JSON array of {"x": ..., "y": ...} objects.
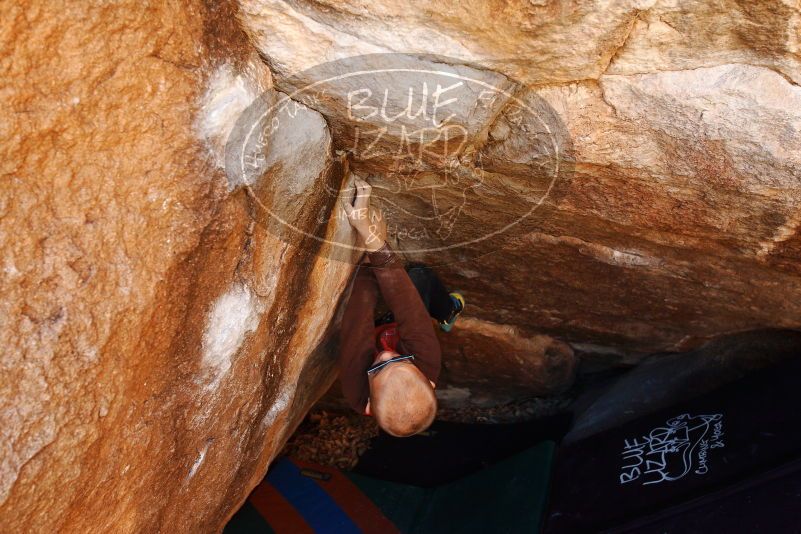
[
  {"x": 282, "y": 517},
  {"x": 387, "y": 337},
  {"x": 361, "y": 510}
]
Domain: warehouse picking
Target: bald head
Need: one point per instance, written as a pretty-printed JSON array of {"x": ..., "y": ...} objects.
[{"x": 402, "y": 400}]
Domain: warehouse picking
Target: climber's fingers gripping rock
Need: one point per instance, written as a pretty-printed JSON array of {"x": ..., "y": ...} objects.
[
  {"x": 367, "y": 221},
  {"x": 363, "y": 192},
  {"x": 357, "y": 212}
]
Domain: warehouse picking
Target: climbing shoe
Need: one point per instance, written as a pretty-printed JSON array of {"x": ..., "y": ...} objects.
[{"x": 458, "y": 306}]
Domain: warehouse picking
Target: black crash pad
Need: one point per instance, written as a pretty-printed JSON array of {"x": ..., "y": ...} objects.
[{"x": 711, "y": 445}]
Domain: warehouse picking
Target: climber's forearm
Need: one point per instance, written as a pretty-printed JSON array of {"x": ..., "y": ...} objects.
[
  {"x": 357, "y": 347},
  {"x": 372, "y": 243},
  {"x": 414, "y": 324}
]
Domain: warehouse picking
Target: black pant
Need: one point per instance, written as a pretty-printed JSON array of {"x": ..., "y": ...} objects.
[{"x": 436, "y": 298}]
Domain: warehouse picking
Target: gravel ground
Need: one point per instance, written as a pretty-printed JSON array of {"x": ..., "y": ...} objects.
[{"x": 332, "y": 438}]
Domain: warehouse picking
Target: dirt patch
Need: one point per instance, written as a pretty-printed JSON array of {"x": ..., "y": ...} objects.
[{"x": 332, "y": 438}]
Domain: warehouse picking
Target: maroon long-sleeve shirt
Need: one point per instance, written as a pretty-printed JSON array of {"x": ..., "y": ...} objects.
[{"x": 358, "y": 348}]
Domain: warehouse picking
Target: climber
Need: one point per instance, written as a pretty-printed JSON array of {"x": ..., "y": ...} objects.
[{"x": 390, "y": 371}]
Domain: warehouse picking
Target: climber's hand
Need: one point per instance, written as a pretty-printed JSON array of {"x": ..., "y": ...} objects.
[
  {"x": 367, "y": 221},
  {"x": 376, "y": 232},
  {"x": 358, "y": 212}
]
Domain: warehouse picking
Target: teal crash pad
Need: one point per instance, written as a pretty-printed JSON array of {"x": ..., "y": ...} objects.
[{"x": 509, "y": 496}]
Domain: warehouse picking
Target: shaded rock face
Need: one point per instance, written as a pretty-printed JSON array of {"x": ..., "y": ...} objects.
[
  {"x": 674, "y": 215},
  {"x": 159, "y": 343},
  {"x": 487, "y": 363}
]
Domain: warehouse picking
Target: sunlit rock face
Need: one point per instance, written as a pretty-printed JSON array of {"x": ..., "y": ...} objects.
[
  {"x": 635, "y": 166},
  {"x": 159, "y": 342},
  {"x": 536, "y": 42}
]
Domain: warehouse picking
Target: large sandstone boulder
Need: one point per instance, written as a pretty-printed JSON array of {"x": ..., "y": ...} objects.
[
  {"x": 673, "y": 216},
  {"x": 160, "y": 343}
]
